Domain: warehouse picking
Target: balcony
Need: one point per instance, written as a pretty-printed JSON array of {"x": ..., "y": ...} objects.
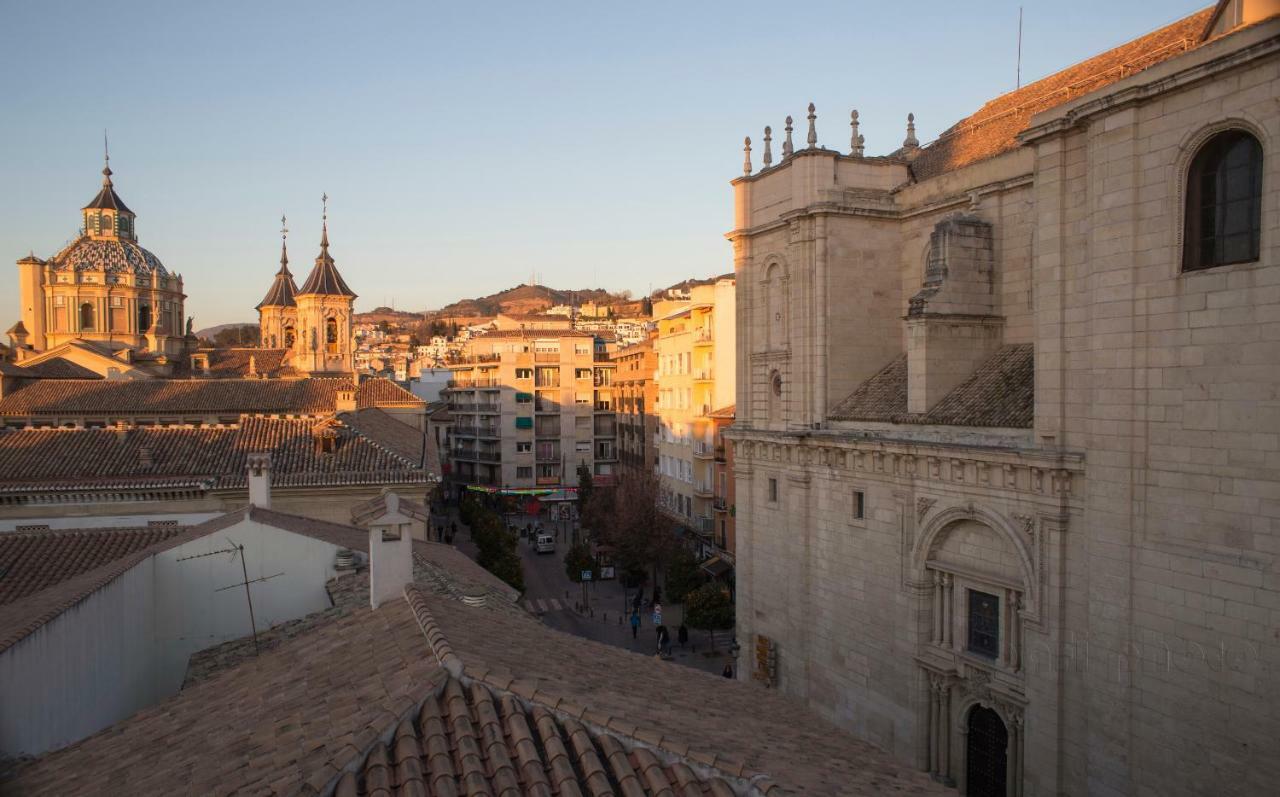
[
  {"x": 703, "y": 337},
  {"x": 719, "y": 454},
  {"x": 702, "y": 450},
  {"x": 704, "y": 490},
  {"x": 543, "y": 481},
  {"x": 469, "y": 408},
  {"x": 546, "y": 356},
  {"x": 474, "y": 360},
  {"x": 704, "y": 526},
  {"x": 704, "y": 375}
]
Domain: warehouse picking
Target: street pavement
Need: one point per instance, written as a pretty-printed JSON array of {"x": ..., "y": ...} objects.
[{"x": 559, "y": 603}]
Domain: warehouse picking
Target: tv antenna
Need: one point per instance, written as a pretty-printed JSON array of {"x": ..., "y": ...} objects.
[
  {"x": 1019, "y": 83},
  {"x": 235, "y": 550}
]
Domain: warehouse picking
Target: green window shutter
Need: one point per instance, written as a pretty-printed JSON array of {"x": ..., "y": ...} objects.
[{"x": 524, "y": 423}]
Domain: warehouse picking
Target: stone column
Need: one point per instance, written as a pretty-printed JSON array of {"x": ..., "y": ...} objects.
[
  {"x": 936, "y": 619},
  {"x": 948, "y": 630}
]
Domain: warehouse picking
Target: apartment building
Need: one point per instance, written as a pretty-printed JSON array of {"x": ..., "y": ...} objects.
[
  {"x": 529, "y": 406},
  {"x": 636, "y": 390},
  {"x": 695, "y": 377}
]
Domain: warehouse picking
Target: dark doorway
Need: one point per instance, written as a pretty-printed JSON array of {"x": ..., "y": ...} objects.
[{"x": 988, "y": 754}]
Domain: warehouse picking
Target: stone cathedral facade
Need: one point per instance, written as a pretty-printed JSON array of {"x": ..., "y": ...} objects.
[{"x": 1008, "y": 425}]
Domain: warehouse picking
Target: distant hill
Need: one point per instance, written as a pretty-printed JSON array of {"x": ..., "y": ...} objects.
[
  {"x": 524, "y": 299},
  {"x": 387, "y": 314},
  {"x": 210, "y": 332}
]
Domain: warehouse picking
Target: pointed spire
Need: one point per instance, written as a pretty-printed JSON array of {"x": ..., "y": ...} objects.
[
  {"x": 768, "y": 150},
  {"x": 787, "y": 149},
  {"x": 855, "y": 139},
  {"x": 324, "y": 224},
  {"x": 911, "y": 142},
  {"x": 813, "y": 128},
  {"x": 746, "y": 155},
  {"x": 284, "y": 248},
  {"x": 106, "y": 161}
]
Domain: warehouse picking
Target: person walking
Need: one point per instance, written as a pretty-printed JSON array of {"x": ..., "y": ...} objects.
[
  {"x": 635, "y": 625},
  {"x": 728, "y": 669},
  {"x": 683, "y": 635}
]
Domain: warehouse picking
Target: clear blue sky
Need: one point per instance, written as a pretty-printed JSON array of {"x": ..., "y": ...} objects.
[{"x": 465, "y": 146}]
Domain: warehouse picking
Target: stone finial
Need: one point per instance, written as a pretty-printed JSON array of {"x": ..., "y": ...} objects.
[
  {"x": 768, "y": 150},
  {"x": 911, "y": 142},
  {"x": 813, "y": 127},
  {"x": 855, "y": 139},
  {"x": 746, "y": 155},
  {"x": 787, "y": 149}
]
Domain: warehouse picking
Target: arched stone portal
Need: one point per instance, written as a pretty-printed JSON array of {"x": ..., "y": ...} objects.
[{"x": 986, "y": 754}]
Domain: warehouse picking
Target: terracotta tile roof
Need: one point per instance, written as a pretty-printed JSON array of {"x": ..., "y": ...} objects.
[
  {"x": 432, "y": 696},
  {"x": 23, "y": 616},
  {"x": 234, "y": 364},
  {"x": 736, "y": 728},
  {"x": 212, "y": 458},
  {"x": 724, "y": 412},
  {"x": 53, "y": 368},
  {"x": 994, "y": 128},
  {"x": 1000, "y": 393},
  {"x": 385, "y": 393},
  {"x": 396, "y": 435},
  {"x": 173, "y": 396},
  {"x": 532, "y": 332},
  {"x": 31, "y": 561},
  {"x": 287, "y": 722}
]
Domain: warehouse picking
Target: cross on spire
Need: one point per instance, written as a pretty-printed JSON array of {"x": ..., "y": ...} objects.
[
  {"x": 284, "y": 248},
  {"x": 324, "y": 222},
  {"x": 106, "y": 160}
]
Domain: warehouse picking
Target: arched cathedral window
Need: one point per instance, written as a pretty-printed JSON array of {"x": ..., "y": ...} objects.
[
  {"x": 86, "y": 316},
  {"x": 1223, "y": 222}
]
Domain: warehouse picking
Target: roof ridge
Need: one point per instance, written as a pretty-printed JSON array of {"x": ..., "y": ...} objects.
[{"x": 618, "y": 728}]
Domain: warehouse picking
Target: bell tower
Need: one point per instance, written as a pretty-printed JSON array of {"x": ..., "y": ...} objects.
[
  {"x": 325, "y": 305},
  {"x": 278, "y": 310}
]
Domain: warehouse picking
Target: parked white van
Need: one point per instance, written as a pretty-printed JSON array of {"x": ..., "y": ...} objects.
[{"x": 546, "y": 544}]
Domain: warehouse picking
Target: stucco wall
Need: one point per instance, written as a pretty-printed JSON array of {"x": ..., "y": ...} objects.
[{"x": 126, "y": 645}]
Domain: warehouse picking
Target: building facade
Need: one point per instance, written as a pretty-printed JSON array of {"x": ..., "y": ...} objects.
[
  {"x": 528, "y": 407},
  {"x": 695, "y": 377},
  {"x": 104, "y": 288},
  {"x": 1005, "y": 442},
  {"x": 637, "y": 395}
]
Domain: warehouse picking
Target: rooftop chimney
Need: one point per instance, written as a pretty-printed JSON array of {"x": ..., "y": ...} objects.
[
  {"x": 345, "y": 400},
  {"x": 260, "y": 480},
  {"x": 390, "y": 553}
]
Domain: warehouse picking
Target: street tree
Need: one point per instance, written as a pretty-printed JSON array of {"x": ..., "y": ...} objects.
[
  {"x": 708, "y": 607},
  {"x": 641, "y": 536},
  {"x": 683, "y": 575}
]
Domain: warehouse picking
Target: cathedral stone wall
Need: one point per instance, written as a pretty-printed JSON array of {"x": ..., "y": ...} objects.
[{"x": 1127, "y": 536}]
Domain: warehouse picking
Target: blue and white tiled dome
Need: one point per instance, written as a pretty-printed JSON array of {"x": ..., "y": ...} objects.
[{"x": 115, "y": 256}]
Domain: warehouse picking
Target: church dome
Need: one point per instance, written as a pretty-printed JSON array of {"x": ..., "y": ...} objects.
[{"x": 116, "y": 256}]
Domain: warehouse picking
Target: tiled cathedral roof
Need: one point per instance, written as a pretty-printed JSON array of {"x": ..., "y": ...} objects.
[
  {"x": 107, "y": 199},
  {"x": 146, "y": 396},
  {"x": 994, "y": 128},
  {"x": 116, "y": 255},
  {"x": 1000, "y": 394}
]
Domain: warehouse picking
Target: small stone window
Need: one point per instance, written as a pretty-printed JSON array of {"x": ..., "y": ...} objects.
[
  {"x": 1223, "y": 222},
  {"x": 984, "y": 624},
  {"x": 773, "y": 491},
  {"x": 859, "y": 505}
]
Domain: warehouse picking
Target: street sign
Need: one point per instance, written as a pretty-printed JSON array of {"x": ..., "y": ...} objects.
[
  {"x": 657, "y": 614},
  {"x": 586, "y": 575}
]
